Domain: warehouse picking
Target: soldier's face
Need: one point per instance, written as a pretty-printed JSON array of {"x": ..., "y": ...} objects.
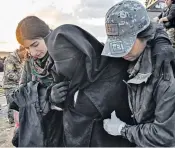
[
  {"x": 168, "y": 2},
  {"x": 36, "y": 47},
  {"x": 136, "y": 50}
]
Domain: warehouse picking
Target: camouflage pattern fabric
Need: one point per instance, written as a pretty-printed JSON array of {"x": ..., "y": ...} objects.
[
  {"x": 12, "y": 74},
  {"x": 10, "y": 111},
  {"x": 123, "y": 22},
  {"x": 171, "y": 34},
  {"x": 12, "y": 71}
]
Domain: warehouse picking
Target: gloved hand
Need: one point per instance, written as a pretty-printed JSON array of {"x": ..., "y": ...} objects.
[
  {"x": 114, "y": 125},
  {"x": 163, "y": 61},
  {"x": 15, "y": 138},
  {"x": 59, "y": 92}
]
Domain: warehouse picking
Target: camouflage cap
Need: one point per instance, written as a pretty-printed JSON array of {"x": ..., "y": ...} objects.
[{"x": 123, "y": 23}]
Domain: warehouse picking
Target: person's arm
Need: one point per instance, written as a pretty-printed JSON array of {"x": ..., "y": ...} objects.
[
  {"x": 23, "y": 80},
  {"x": 162, "y": 131},
  {"x": 163, "y": 19},
  {"x": 160, "y": 15},
  {"x": 10, "y": 70},
  {"x": 170, "y": 16},
  {"x": 156, "y": 19}
]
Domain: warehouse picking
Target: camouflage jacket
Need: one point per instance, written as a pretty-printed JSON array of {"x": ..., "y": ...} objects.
[{"x": 12, "y": 71}]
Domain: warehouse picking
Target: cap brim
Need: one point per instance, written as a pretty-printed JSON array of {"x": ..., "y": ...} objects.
[{"x": 118, "y": 46}]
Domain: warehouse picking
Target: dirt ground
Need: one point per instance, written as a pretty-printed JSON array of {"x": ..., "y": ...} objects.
[
  {"x": 6, "y": 133},
  {"x": 6, "y": 130}
]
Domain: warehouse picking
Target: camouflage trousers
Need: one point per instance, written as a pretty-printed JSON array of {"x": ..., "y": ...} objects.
[
  {"x": 171, "y": 34},
  {"x": 10, "y": 111}
]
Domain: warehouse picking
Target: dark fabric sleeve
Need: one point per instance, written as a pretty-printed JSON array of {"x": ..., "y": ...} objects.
[
  {"x": 14, "y": 106},
  {"x": 162, "y": 131},
  {"x": 171, "y": 14},
  {"x": 160, "y": 15},
  {"x": 15, "y": 97}
]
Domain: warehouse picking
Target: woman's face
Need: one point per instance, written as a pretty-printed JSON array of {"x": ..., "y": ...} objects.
[{"x": 36, "y": 47}]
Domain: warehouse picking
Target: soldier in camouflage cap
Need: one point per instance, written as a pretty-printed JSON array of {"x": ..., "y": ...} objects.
[
  {"x": 12, "y": 74},
  {"x": 151, "y": 81},
  {"x": 124, "y": 22}
]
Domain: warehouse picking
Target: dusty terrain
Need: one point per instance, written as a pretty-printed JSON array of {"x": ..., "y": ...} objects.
[{"x": 6, "y": 130}]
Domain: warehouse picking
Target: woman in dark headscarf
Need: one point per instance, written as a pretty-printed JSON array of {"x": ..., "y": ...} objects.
[{"x": 99, "y": 82}]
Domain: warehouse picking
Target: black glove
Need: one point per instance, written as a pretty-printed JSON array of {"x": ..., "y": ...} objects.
[
  {"x": 163, "y": 60},
  {"x": 15, "y": 138},
  {"x": 59, "y": 92}
]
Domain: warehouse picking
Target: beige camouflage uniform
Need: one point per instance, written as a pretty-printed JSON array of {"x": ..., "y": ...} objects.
[{"x": 12, "y": 74}]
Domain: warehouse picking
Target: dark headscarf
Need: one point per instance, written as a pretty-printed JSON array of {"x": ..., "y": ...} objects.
[{"x": 74, "y": 57}]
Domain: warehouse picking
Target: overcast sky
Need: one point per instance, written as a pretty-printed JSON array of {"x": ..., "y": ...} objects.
[{"x": 88, "y": 14}]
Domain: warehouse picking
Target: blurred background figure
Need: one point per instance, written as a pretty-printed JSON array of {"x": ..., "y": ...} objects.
[
  {"x": 167, "y": 17},
  {"x": 12, "y": 74}
]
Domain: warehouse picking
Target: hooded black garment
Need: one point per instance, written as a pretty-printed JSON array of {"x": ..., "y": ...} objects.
[{"x": 99, "y": 81}]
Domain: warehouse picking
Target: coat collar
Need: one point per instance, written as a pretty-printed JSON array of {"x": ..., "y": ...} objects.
[{"x": 142, "y": 70}]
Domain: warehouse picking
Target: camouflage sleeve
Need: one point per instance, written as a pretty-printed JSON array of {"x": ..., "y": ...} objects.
[{"x": 10, "y": 70}]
